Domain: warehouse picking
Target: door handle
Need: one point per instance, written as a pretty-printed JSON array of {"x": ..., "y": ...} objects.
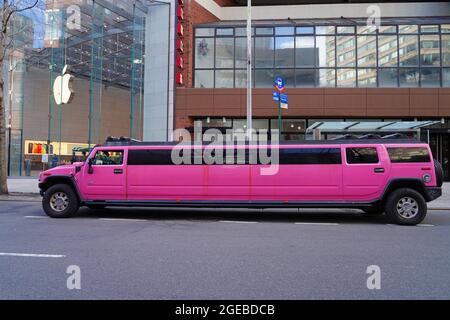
[
  {"x": 118, "y": 171},
  {"x": 378, "y": 170}
]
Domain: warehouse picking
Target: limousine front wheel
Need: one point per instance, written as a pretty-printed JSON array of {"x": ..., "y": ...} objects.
[
  {"x": 60, "y": 201},
  {"x": 406, "y": 207}
]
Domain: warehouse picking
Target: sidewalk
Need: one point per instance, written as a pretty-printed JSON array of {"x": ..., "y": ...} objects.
[{"x": 26, "y": 188}]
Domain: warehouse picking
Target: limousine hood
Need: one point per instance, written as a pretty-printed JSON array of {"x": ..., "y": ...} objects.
[{"x": 65, "y": 170}]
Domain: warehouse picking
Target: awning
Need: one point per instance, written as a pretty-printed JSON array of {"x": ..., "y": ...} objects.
[{"x": 372, "y": 127}]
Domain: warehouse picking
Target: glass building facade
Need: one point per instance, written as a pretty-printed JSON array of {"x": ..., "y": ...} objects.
[
  {"x": 397, "y": 55},
  {"x": 102, "y": 44}
]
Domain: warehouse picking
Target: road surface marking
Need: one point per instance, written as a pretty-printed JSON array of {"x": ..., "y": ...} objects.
[
  {"x": 34, "y": 255},
  {"x": 317, "y": 223},
  {"x": 425, "y": 225},
  {"x": 229, "y": 221},
  {"x": 111, "y": 219},
  {"x": 36, "y": 217}
]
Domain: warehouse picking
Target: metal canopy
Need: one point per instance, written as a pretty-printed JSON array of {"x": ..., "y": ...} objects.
[{"x": 372, "y": 127}]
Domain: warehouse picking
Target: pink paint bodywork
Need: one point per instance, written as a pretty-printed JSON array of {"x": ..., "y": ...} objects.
[{"x": 334, "y": 183}]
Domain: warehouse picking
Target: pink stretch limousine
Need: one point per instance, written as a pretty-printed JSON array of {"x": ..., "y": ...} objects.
[{"x": 397, "y": 177}]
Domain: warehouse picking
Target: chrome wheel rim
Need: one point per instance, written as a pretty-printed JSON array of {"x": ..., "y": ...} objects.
[
  {"x": 59, "y": 201},
  {"x": 407, "y": 207}
]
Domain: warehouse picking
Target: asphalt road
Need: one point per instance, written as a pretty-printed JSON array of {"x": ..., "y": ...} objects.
[{"x": 197, "y": 254}]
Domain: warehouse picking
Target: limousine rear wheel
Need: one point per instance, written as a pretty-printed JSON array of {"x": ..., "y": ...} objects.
[
  {"x": 406, "y": 207},
  {"x": 60, "y": 201}
]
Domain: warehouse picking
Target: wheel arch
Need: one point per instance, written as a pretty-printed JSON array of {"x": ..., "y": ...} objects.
[
  {"x": 410, "y": 183},
  {"x": 54, "y": 180}
]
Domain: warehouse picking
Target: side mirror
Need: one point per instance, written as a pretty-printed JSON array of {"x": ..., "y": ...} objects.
[
  {"x": 90, "y": 169},
  {"x": 77, "y": 169}
]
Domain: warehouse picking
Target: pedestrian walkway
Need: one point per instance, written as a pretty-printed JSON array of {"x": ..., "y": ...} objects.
[{"x": 23, "y": 185}]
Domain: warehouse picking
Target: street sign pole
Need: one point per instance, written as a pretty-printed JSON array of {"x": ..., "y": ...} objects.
[
  {"x": 249, "y": 70},
  {"x": 280, "y": 122},
  {"x": 279, "y": 86}
]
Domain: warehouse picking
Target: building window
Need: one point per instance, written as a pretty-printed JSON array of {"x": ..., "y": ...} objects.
[
  {"x": 397, "y": 55},
  {"x": 224, "y": 53},
  {"x": 409, "y": 77},
  {"x": 204, "y": 78},
  {"x": 224, "y": 79},
  {"x": 204, "y": 53}
]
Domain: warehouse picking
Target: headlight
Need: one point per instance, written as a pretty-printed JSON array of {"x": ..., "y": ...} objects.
[{"x": 426, "y": 177}]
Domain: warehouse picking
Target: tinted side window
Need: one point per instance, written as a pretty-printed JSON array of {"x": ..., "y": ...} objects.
[
  {"x": 311, "y": 156},
  {"x": 399, "y": 155},
  {"x": 108, "y": 158},
  {"x": 361, "y": 155},
  {"x": 149, "y": 157}
]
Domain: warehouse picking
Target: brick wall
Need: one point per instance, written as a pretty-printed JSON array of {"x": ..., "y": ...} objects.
[{"x": 194, "y": 14}]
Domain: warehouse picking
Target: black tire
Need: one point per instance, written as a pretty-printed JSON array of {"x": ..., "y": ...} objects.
[
  {"x": 96, "y": 206},
  {"x": 439, "y": 173},
  {"x": 61, "y": 192},
  {"x": 373, "y": 210},
  {"x": 403, "y": 197}
]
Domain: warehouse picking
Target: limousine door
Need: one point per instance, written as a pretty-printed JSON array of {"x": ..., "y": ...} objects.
[
  {"x": 365, "y": 172},
  {"x": 105, "y": 179}
]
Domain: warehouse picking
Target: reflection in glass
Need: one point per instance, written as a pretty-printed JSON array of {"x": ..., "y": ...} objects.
[
  {"x": 264, "y": 31},
  {"x": 325, "y": 45},
  {"x": 430, "y": 77},
  {"x": 345, "y": 50},
  {"x": 241, "y": 52},
  {"x": 446, "y": 50},
  {"x": 429, "y": 28},
  {"x": 305, "y": 52},
  {"x": 409, "y": 77},
  {"x": 241, "y": 78},
  {"x": 284, "y": 52},
  {"x": 446, "y": 77},
  {"x": 225, "y": 31},
  {"x": 429, "y": 50},
  {"x": 264, "y": 52},
  {"x": 305, "y": 30},
  {"x": 284, "y": 31},
  {"x": 367, "y": 51},
  {"x": 346, "y": 78},
  {"x": 388, "y": 78},
  {"x": 224, "y": 52},
  {"x": 204, "y": 53},
  {"x": 325, "y": 30},
  {"x": 224, "y": 79},
  {"x": 407, "y": 28},
  {"x": 327, "y": 78},
  {"x": 387, "y": 51},
  {"x": 287, "y": 75},
  {"x": 367, "y": 78},
  {"x": 204, "y": 32},
  {"x": 408, "y": 50},
  {"x": 305, "y": 78},
  {"x": 346, "y": 29},
  {"x": 204, "y": 78},
  {"x": 264, "y": 78}
]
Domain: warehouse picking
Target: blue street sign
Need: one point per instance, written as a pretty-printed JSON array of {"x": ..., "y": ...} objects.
[
  {"x": 279, "y": 83},
  {"x": 275, "y": 96},
  {"x": 284, "y": 98}
]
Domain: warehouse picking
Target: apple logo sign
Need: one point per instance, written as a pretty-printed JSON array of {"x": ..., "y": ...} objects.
[{"x": 62, "y": 87}]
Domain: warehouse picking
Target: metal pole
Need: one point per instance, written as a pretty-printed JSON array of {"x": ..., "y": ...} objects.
[
  {"x": 249, "y": 70},
  {"x": 280, "y": 122}
]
